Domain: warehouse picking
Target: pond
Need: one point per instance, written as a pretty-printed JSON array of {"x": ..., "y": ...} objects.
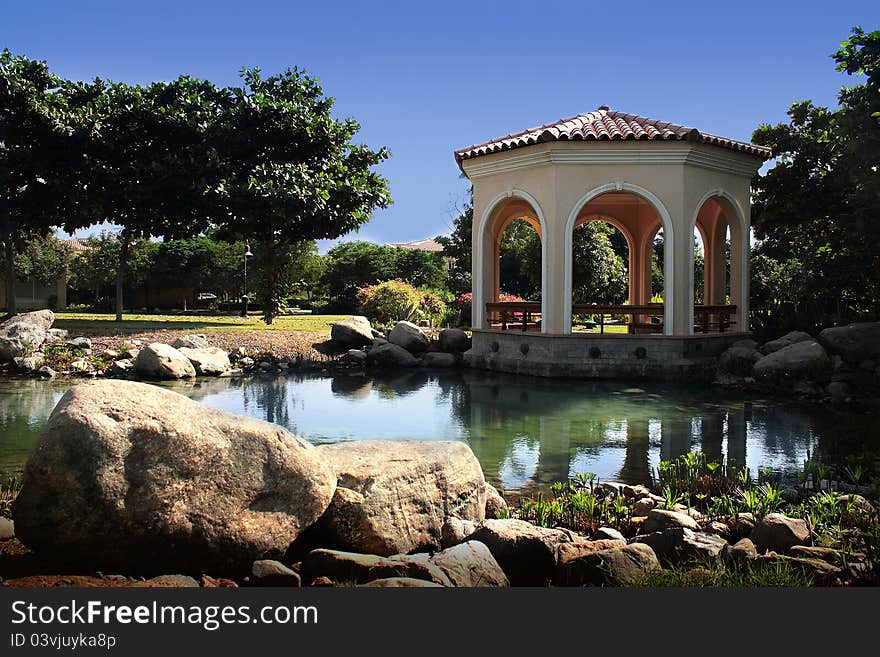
[{"x": 527, "y": 432}]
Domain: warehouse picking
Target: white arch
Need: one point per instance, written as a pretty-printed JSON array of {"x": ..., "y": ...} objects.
[
  {"x": 668, "y": 241},
  {"x": 478, "y": 304},
  {"x": 742, "y": 310}
]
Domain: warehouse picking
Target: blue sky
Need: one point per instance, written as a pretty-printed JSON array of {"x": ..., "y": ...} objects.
[{"x": 425, "y": 79}]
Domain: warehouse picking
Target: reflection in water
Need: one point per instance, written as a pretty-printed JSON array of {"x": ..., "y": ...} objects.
[{"x": 526, "y": 432}]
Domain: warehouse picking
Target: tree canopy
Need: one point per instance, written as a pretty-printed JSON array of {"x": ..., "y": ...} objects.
[{"x": 815, "y": 210}]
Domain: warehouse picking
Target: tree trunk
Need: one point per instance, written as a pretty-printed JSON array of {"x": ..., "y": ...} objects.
[
  {"x": 9, "y": 273},
  {"x": 120, "y": 273}
]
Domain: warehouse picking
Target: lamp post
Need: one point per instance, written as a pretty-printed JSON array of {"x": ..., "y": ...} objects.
[{"x": 244, "y": 297}]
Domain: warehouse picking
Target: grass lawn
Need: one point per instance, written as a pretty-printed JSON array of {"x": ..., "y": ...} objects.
[
  {"x": 609, "y": 328},
  {"x": 105, "y": 324}
]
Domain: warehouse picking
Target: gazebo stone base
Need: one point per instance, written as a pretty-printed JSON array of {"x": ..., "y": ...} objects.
[{"x": 591, "y": 356}]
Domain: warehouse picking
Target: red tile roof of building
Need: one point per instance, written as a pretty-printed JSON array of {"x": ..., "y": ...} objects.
[
  {"x": 76, "y": 244},
  {"x": 607, "y": 125}
]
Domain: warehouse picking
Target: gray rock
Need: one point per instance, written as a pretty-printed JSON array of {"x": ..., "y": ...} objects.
[
  {"x": 192, "y": 341},
  {"x": 526, "y": 553},
  {"x": 612, "y": 566},
  {"x": 496, "y": 505},
  {"x": 24, "y": 334},
  {"x": 47, "y": 372},
  {"x": 356, "y": 356},
  {"x": 55, "y": 335},
  {"x": 208, "y": 361},
  {"x": 121, "y": 366},
  {"x": 643, "y": 507},
  {"x": 683, "y": 545},
  {"x": 7, "y": 529},
  {"x": 161, "y": 361},
  {"x": 171, "y": 481},
  {"x": 438, "y": 359},
  {"x": 394, "y": 495},
  {"x": 409, "y": 336},
  {"x": 455, "y": 531},
  {"x": 470, "y": 564},
  {"x": 454, "y": 341},
  {"x": 268, "y": 572},
  {"x": 778, "y": 532},
  {"x": 822, "y": 572},
  {"x": 391, "y": 355},
  {"x": 630, "y": 491},
  {"x": 741, "y": 551},
  {"x": 174, "y": 581},
  {"x": 608, "y": 533},
  {"x": 79, "y": 343},
  {"x": 660, "y": 519},
  {"x": 801, "y": 360},
  {"x": 738, "y": 360},
  {"x": 28, "y": 363},
  {"x": 855, "y": 342},
  {"x": 743, "y": 525},
  {"x": 352, "y": 332},
  {"x": 352, "y": 567},
  {"x": 786, "y": 340},
  {"x": 401, "y": 582}
]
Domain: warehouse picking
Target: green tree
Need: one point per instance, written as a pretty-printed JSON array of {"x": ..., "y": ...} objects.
[
  {"x": 352, "y": 265},
  {"x": 457, "y": 246},
  {"x": 817, "y": 206},
  {"x": 93, "y": 271},
  {"x": 44, "y": 259},
  {"x": 417, "y": 267},
  {"x": 153, "y": 169},
  {"x": 41, "y": 156},
  {"x": 290, "y": 173},
  {"x": 599, "y": 273}
]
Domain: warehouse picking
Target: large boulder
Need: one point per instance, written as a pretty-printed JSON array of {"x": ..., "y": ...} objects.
[
  {"x": 739, "y": 359},
  {"x": 161, "y": 361},
  {"x": 353, "y": 567},
  {"x": 470, "y": 564},
  {"x": 192, "y": 341},
  {"x": 132, "y": 474},
  {"x": 454, "y": 341},
  {"x": 788, "y": 339},
  {"x": 409, "y": 336},
  {"x": 526, "y": 553},
  {"x": 394, "y": 495},
  {"x": 612, "y": 566},
  {"x": 208, "y": 361},
  {"x": 352, "y": 332},
  {"x": 438, "y": 359},
  {"x": 391, "y": 355},
  {"x": 855, "y": 342},
  {"x": 660, "y": 519},
  {"x": 23, "y": 334},
  {"x": 682, "y": 545},
  {"x": 801, "y": 360},
  {"x": 778, "y": 532}
]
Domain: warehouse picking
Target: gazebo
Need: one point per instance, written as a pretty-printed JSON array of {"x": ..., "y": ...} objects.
[{"x": 641, "y": 176}]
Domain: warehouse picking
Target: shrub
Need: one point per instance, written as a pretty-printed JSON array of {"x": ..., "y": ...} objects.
[{"x": 390, "y": 301}]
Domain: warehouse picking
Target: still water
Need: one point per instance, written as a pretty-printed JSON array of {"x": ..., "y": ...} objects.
[{"x": 526, "y": 432}]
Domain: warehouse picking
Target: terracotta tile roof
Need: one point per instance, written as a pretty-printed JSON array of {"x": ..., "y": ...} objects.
[
  {"x": 420, "y": 245},
  {"x": 76, "y": 244},
  {"x": 607, "y": 125}
]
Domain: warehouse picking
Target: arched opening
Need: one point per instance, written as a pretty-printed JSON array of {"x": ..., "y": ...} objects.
[
  {"x": 718, "y": 281},
  {"x": 601, "y": 248},
  {"x": 637, "y": 216},
  {"x": 509, "y": 288}
]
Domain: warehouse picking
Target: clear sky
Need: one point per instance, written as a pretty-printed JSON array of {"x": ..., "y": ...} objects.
[{"x": 425, "y": 79}]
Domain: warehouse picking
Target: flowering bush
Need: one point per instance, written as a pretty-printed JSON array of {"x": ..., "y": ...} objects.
[
  {"x": 464, "y": 304},
  {"x": 390, "y": 301},
  {"x": 432, "y": 306}
]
